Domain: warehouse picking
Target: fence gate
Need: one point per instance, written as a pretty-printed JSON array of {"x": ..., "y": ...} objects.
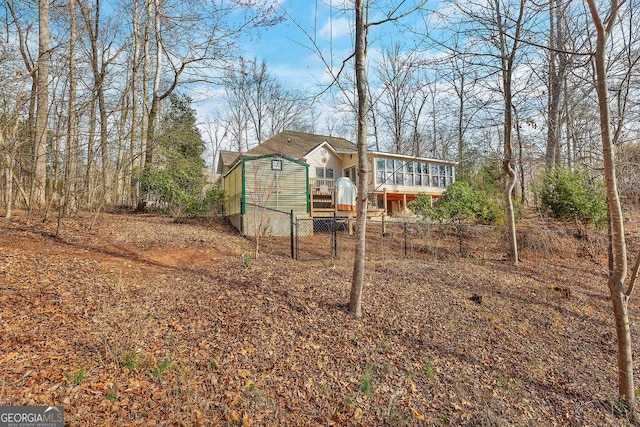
[{"x": 315, "y": 238}]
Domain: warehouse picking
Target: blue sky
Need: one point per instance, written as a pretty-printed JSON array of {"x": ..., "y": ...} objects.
[
  {"x": 290, "y": 53},
  {"x": 288, "y": 50},
  {"x": 295, "y": 60}
]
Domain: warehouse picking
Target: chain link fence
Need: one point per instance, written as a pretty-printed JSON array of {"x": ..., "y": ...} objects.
[
  {"x": 305, "y": 238},
  {"x": 274, "y": 228},
  {"x": 315, "y": 238},
  {"x": 422, "y": 240}
]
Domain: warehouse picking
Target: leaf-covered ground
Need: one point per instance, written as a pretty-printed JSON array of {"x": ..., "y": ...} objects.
[{"x": 136, "y": 320}]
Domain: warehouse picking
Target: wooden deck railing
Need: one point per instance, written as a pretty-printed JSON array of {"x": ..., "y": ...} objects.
[{"x": 320, "y": 183}]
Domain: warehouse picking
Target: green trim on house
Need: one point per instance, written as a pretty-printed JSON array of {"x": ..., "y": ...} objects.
[
  {"x": 308, "y": 191},
  {"x": 247, "y": 185},
  {"x": 243, "y": 206}
]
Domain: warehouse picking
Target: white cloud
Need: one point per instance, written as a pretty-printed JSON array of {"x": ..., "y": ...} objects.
[{"x": 336, "y": 28}]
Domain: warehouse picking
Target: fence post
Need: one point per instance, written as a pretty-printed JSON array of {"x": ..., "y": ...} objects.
[
  {"x": 334, "y": 237},
  {"x": 384, "y": 225},
  {"x": 291, "y": 233},
  {"x": 297, "y": 246},
  {"x": 405, "y": 239}
]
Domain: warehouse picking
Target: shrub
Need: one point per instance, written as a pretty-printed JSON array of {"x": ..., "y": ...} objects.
[
  {"x": 573, "y": 195},
  {"x": 210, "y": 205},
  {"x": 459, "y": 203}
]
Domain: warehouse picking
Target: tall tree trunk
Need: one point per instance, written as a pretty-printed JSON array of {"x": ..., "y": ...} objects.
[
  {"x": 55, "y": 154},
  {"x": 146, "y": 67},
  {"x": 616, "y": 283},
  {"x": 89, "y": 184},
  {"x": 156, "y": 97},
  {"x": 135, "y": 132},
  {"x": 8, "y": 139},
  {"x": 357, "y": 281},
  {"x": 8, "y": 174},
  {"x": 553, "y": 109},
  {"x": 508, "y": 56},
  {"x": 618, "y": 256},
  {"x": 512, "y": 244},
  {"x": 38, "y": 187},
  {"x": 461, "y": 95},
  {"x": 71, "y": 146},
  {"x": 31, "y": 117},
  {"x": 104, "y": 148},
  {"x": 520, "y": 157},
  {"x": 98, "y": 67},
  {"x": 121, "y": 158}
]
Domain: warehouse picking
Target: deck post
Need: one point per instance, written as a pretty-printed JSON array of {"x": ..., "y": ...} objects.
[{"x": 384, "y": 200}]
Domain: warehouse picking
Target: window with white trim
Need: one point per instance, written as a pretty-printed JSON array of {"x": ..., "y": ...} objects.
[
  {"x": 324, "y": 172},
  {"x": 412, "y": 173}
]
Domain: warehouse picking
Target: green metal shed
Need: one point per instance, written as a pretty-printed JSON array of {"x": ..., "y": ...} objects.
[{"x": 263, "y": 190}]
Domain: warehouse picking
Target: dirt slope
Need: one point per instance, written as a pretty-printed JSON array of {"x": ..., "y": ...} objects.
[{"x": 139, "y": 321}]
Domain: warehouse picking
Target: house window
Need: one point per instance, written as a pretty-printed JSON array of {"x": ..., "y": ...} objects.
[
  {"x": 380, "y": 171},
  {"x": 399, "y": 171},
  {"x": 417, "y": 172},
  {"x": 435, "y": 176},
  {"x": 350, "y": 173},
  {"x": 389, "y": 171},
  {"x": 409, "y": 173},
  {"x": 449, "y": 175},
  {"x": 324, "y": 172},
  {"x": 276, "y": 165},
  {"x": 425, "y": 174}
]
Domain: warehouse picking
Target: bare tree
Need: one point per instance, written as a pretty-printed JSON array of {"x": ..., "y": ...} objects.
[
  {"x": 258, "y": 100},
  {"x": 362, "y": 26},
  {"x": 38, "y": 186},
  {"x": 508, "y": 51},
  {"x": 191, "y": 39},
  {"x": 620, "y": 293},
  {"x": 236, "y": 120},
  {"x": 13, "y": 100},
  {"x": 255, "y": 87},
  {"x": 397, "y": 72},
  {"x": 215, "y": 132},
  {"x": 501, "y": 26},
  {"x": 357, "y": 280},
  {"x": 102, "y": 54},
  {"x": 557, "y": 75},
  {"x": 69, "y": 158},
  {"x": 31, "y": 71}
]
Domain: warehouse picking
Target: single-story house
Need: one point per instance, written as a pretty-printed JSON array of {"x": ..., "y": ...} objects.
[{"x": 394, "y": 179}]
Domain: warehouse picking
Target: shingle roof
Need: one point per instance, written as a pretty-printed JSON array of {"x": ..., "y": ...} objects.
[
  {"x": 227, "y": 159},
  {"x": 298, "y": 144}
]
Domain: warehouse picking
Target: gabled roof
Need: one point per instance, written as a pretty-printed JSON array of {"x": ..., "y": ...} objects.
[
  {"x": 226, "y": 159},
  {"x": 299, "y": 144}
]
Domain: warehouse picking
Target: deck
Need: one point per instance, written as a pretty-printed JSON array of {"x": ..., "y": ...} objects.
[{"x": 323, "y": 191}]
